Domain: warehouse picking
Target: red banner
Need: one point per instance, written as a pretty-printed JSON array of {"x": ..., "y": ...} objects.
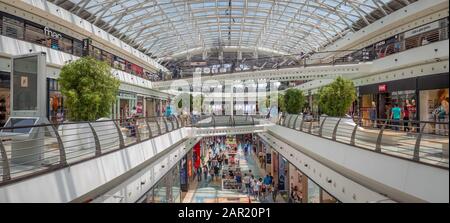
[{"x": 196, "y": 155}]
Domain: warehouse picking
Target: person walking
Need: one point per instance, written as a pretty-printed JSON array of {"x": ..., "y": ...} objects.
[
  {"x": 274, "y": 191},
  {"x": 211, "y": 172},
  {"x": 205, "y": 172},
  {"x": 246, "y": 181},
  {"x": 267, "y": 182},
  {"x": 442, "y": 114},
  {"x": 396, "y": 113},
  {"x": 199, "y": 174},
  {"x": 406, "y": 127},
  {"x": 373, "y": 114},
  {"x": 216, "y": 170}
]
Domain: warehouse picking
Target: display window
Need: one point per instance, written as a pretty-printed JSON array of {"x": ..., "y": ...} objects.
[
  {"x": 4, "y": 97},
  {"x": 12, "y": 27},
  {"x": 35, "y": 35},
  {"x": 56, "y": 111},
  {"x": 434, "y": 107}
]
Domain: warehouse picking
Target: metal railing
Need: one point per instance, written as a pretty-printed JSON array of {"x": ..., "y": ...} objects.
[
  {"x": 421, "y": 141},
  {"x": 370, "y": 53},
  {"x": 54, "y": 146},
  {"x": 227, "y": 120}
]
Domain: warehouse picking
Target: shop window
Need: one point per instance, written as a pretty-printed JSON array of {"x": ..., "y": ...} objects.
[
  {"x": 4, "y": 97},
  {"x": 12, "y": 28},
  {"x": 97, "y": 53},
  {"x": 119, "y": 63},
  {"x": 128, "y": 68},
  {"x": 66, "y": 45},
  {"x": 35, "y": 35},
  {"x": 77, "y": 48},
  {"x": 107, "y": 57}
]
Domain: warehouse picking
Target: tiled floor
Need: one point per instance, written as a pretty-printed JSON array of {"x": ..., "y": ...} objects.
[{"x": 208, "y": 191}]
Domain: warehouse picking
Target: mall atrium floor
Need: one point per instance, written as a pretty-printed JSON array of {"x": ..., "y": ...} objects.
[{"x": 229, "y": 101}]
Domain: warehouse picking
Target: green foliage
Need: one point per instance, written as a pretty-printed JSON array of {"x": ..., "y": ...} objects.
[
  {"x": 89, "y": 89},
  {"x": 294, "y": 100},
  {"x": 281, "y": 104},
  {"x": 336, "y": 98},
  {"x": 184, "y": 96}
]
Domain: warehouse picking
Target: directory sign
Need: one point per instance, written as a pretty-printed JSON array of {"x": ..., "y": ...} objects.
[
  {"x": 28, "y": 85},
  {"x": 25, "y": 84}
]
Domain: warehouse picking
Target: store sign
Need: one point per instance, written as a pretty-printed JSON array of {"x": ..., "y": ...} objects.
[
  {"x": 422, "y": 29},
  {"x": 52, "y": 34},
  {"x": 382, "y": 88}
]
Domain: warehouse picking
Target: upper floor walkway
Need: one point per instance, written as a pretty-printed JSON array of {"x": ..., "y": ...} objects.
[{"x": 79, "y": 161}]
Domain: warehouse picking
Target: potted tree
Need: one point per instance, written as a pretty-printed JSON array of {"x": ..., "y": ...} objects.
[
  {"x": 294, "y": 101},
  {"x": 90, "y": 91},
  {"x": 335, "y": 100}
]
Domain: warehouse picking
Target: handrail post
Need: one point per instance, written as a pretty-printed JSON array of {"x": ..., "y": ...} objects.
[
  {"x": 253, "y": 120},
  {"x": 165, "y": 124},
  {"x": 310, "y": 127},
  {"x": 62, "y": 152},
  {"x": 5, "y": 165},
  {"x": 136, "y": 129},
  {"x": 150, "y": 134},
  {"x": 98, "y": 151},
  {"x": 172, "y": 125},
  {"x": 416, "y": 155},
  {"x": 178, "y": 124},
  {"x": 301, "y": 123},
  {"x": 321, "y": 125},
  {"x": 352, "y": 139},
  {"x": 119, "y": 133},
  {"x": 380, "y": 136},
  {"x": 295, "y": 121},
  {"x": 159, "y": 127},
  {"x": 335, "y": 130},
  {"x": 289, "y": 121}
]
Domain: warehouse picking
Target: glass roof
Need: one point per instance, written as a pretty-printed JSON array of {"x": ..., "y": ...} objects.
[{"x": 166, "y": 27}]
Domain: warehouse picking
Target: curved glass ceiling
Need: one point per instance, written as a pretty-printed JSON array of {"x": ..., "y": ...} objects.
[{"x": 166, "y": 27}]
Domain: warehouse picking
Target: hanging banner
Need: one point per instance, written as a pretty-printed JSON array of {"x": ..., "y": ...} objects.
[
  {"x": 196, "y": 156},
  {"x": 281, "y": 174}
]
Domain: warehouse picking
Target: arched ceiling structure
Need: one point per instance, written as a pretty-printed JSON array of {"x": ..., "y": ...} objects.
[{"x": 163, "y": 28}]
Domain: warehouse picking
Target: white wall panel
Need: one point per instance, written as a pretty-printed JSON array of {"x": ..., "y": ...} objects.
[{"x": 69, "y": 183}]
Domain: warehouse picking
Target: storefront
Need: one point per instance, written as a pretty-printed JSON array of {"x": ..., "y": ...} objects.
[
  {"x": 4, "y": 97},
  {"x": 140, "y": 106},
  {"x": 303, "y": 190},
  {"x": 124, "y": 104},
  {"x": 55, "y": 108},
  {"x": 422, "y": 93},
  {"x": 150, "y": 106},
  {"x": 167, "y": 189}
]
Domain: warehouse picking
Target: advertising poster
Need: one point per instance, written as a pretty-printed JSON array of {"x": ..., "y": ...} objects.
[
  {"x": 281, "y": 173},
  {"x": 183, "y": 174},
  {"x": 196, "y": 156}
]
